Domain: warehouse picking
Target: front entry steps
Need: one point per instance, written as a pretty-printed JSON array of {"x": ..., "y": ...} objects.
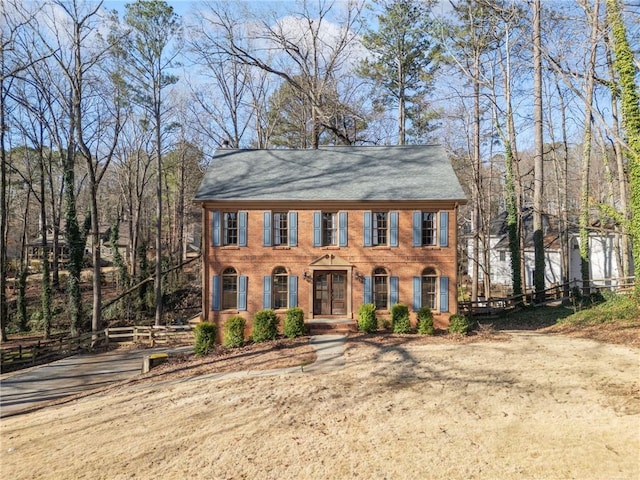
[{"x": 329, "y": 326}]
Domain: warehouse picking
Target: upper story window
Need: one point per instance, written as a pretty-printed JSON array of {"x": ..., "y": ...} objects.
[
  {"x": 230, "y": 228},
  {"x": 280, "y": 229},
  {"x": 329, "y": 228},
  {"x": 430, "y": 229},
  {"x": 380, "y": 229}
]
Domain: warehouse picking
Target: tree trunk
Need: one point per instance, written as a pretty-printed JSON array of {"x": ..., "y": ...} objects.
[{"x": 538, "y": 180}]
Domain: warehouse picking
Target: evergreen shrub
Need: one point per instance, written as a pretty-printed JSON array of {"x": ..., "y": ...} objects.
[
  {"x": 205, "y": 340},
  {"x": 400, "y": 318},
  {"x": 425, "y": 321},
  {"x": 265, "y": 326},
  {"x": 459, "y": 324},
  {"x": 294, "y": 323},
  {"x": 234, "y": 332},
  {"x": 367, "y": 321}
]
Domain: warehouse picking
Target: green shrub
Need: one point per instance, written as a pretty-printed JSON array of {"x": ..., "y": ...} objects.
[
  {"x": 459, "y": 324},
  {"x": 294, "y": 323},
  {"x": 265, "y": 326},
  {"x": 367, "y": 318},
  {"x": 205, "y": 333},
  {"x": 425, "y": 321},
  {"x": 234, "y": 332},
  {"x": 400, "y": 318}
]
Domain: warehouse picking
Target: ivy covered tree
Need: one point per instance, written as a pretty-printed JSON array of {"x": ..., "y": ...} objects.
[
  {"x": 403, "y": 60},
  {"x": 630, "y": 102}
]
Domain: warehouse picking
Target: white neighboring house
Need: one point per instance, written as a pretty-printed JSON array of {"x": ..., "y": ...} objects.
[{"x": 604, "y": 265}]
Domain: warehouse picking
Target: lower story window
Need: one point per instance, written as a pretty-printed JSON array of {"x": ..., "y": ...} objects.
[
  {"x": 229, "y": 288},
  {"x": 380, "y": 288},
  {"x": 429, "y": 288},
  {"x": 280, "y": 288}
]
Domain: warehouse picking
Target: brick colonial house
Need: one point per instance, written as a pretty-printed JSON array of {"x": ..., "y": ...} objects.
[{"x": 328, "y": 230}]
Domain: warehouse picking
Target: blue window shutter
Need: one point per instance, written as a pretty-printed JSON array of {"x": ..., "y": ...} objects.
[
  {"x": 242, "y": 229},
  {"x": 417, "y": 229},
  {"x": 215, "y": 228},
  {"x": 317, "y": 229},
  {"x": 215, "y": 293},
  {"x": 368, "y": 294},
  {"x": 266, "y": 241},
  {"x": 367, "y": 230},
  {"x": 417, "y": 293},
  {"x": 393, "y": 229},
  {"x": 242, "y": 292},
  {"x": 393, "y": 290},
  {"x": 266, "y": 291},
  {"x": 293, "y": 291},
  {"x": 444, "y": 229},
  {"x": 343, "y": 229},
  {"x": 444, "y": 294},
  {"x": 293, "y": 229}
]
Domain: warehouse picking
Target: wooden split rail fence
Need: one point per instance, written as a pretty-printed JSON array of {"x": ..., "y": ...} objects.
[
  {"x": 21, "y": 356},
  {"x": 496, "y": 306}
]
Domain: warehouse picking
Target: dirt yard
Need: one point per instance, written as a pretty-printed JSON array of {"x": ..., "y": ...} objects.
[{"x": 510, "y": 406}]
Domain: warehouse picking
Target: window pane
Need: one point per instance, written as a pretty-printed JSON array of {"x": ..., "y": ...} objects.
[
  {"x": 329, "y": 229},
  {"x": 379, "y": 232},
  {"x": 428, "y": 228},
  {"x": 230, "y": 233}
]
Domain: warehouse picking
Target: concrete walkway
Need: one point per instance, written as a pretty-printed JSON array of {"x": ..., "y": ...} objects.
[{"x": 27, "y": 389}]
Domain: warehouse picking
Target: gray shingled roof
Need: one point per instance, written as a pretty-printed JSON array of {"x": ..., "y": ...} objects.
[{"x": 408, "y": 172}]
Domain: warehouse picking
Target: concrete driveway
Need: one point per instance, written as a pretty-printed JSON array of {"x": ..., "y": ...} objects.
[{"x": 25, "y": 389}]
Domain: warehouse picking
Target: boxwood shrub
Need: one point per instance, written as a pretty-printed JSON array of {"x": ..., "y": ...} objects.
[
  {"x": 265, "y": 325},
  {"x": 294, "y": 322},
  {"x": 459, "y": 324},
  {"x": 367, "y": 318},
  {"x": 205, "y": 340},
  {"x": 234, "y": 332},
  {"x": 400, "y": 318},
  {"x": 425, "y": 321}
]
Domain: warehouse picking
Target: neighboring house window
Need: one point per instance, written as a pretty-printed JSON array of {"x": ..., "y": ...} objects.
[
  {"x": 503, "y": 256},
  {"x": 280, "y": 288},
  {"x": 329, "y": 228},
  {"x": 380, "y": 288},
  {"x": 429, "y": 291},
  {"x": 230, "y": 228},
  {"x": 229, "y": 288},
  {"x": 280, "y": 229}
]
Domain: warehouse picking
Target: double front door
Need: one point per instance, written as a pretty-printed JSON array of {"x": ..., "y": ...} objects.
[{"x": 329, "y": 293}]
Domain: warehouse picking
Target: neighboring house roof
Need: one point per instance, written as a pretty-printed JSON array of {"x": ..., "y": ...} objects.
[{"x": 408, "y": 172}]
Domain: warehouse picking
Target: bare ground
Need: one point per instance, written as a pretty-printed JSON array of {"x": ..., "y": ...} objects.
[{"x": 498, "y": 405}]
